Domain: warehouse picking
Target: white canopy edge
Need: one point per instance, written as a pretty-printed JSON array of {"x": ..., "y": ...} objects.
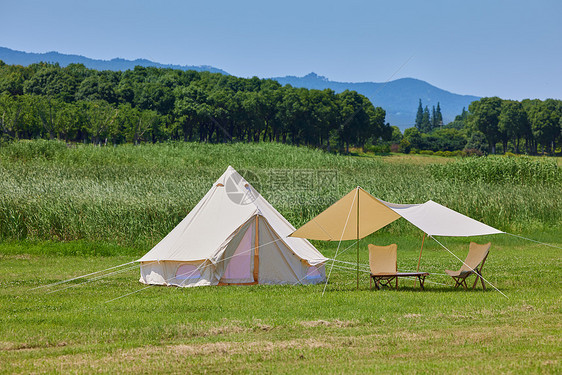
[{"x": 438, "y": 220}]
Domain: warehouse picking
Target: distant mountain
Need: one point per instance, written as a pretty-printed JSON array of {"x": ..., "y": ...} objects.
[
  {"x": 12, "y": 57},
  {"x": 399, "y": 98}
]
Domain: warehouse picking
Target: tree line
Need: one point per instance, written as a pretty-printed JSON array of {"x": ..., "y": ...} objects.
[
  {"x": 148, "y": 104},
  {"x": 531, "y": 126},
  {"x": 536, "y": 123}
]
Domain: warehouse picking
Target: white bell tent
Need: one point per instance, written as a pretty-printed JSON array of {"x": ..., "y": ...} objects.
[{"x": 232, "y": 236}]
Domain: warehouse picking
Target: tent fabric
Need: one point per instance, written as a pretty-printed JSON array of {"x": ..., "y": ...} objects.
[
  {"x": 339, "y": 221},
  {"x": 219, "y": 237},
  {"x": 438, "y": 220}
]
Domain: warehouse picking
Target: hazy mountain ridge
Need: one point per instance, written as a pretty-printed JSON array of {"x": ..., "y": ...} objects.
[
  {"x": 13, "y": 57},
  {"x": 399, "y": 97}
]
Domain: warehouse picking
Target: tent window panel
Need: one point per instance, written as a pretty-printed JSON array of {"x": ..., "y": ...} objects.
[
  {"x": 240, "y": 264},
  {"x": 188, "y": 272},
  {"x": 313, "y": 273}
]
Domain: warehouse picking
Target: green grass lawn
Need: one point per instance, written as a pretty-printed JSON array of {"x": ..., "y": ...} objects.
[
  {"x": 66, "y": 212},
  {"x": 260, "y": 329}
]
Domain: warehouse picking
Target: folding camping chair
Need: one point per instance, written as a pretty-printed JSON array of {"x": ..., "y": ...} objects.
[
  {"x": 473, "y": 264},
  {"x": 383, "y": 265}
]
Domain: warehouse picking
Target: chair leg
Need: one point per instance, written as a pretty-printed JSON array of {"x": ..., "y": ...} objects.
[
  {"x": 458, "y": 281},
  {"x": 479, "y": 277},
  {"x": 422, "y": 280},
  {"x": 396, "y": 283},
  {"x": 475, "y": 280}
]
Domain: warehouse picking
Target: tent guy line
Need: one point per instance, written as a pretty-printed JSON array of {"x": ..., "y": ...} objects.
[
  {"x": 119, "y": 271},
  {"x": 339, "y": 243},
  {"x": 94, "y": 279},
  {"x": 80, "y": 277},
  {"x": 538, "y": 242}
]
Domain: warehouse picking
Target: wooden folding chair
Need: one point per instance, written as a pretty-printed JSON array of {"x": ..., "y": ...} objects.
[
  {"x": 473, "y": 264},
  {"x": 383, "y": 265}
]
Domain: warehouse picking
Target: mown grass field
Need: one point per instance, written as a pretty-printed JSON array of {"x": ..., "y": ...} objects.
[{"x": 70, "y": 211}]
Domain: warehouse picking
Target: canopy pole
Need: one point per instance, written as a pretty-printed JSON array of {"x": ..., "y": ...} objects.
[
  {"x": 358, "y": 237},
  {"x": 419, "y": 258}
]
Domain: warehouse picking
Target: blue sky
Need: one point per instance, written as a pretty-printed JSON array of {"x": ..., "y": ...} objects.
[{"x": 512, "y": 49}]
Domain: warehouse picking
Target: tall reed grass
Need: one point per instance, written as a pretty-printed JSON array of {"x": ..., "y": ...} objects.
[
  {"x": 497, "y": 169},
  {"x": 134, "y": 195}
]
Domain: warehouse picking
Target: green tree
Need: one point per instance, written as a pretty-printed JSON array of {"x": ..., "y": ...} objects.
[
  {"x": 460, "y": 120},
  {"x": 71, "y": 121},
  {"x": 11, "y": 113},
  {"x": 97, "y": 87},
  {"x": 477, "y": 141},
  {"x": 100, "y": 118},
  {"x": 51, "y": 80},
  {"x": 513, "y": 123},
  {"x": 12, "y": 78},
  {"x": 136, "y": 125},
  {"x": 353, "y": 118},
  {"x": 545, "y": 122},
  {"x": 426, "y": 122},
  {"x": 49, "y": 111},
  {"x": 419, "y": 116},
  {"x": 396, "y": 136},
  {"x": 438, "y": 116},
  {"x": 484, "y": 117},
  {"x": 433, "y": 119},
  {"x": 414, "y": 137},
  {"x": 445, "y": 139}
]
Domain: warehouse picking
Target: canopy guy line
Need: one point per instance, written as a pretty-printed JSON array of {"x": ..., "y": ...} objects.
[
  {"x": 364, "y": 266},
  {"x": 538, "y": 242},
  {"x": 472, "y": 269},
  {"x": 341, "y": 238},
  {"x": 349, "y": 268},
  {"x": 347, "y": 248}
]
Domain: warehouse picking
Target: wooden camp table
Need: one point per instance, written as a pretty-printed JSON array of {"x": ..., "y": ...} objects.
[{"x": 385, "y": 279}]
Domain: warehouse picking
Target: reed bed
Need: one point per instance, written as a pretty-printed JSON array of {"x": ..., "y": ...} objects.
[{"x": 134, "y": 195}]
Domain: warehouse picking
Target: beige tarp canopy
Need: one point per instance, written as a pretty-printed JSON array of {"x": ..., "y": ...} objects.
[
  {"x": 354, "y": 216},
  {"x": 359, "y": 214}
]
